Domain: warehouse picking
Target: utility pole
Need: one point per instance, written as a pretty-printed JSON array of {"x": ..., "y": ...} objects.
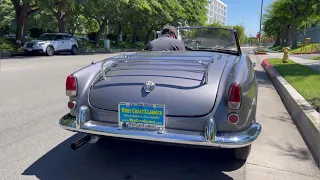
[{"x": 260, "y": 24}]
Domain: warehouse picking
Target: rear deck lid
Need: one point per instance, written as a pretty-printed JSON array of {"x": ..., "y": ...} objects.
[{"x": 178, "y": 85}]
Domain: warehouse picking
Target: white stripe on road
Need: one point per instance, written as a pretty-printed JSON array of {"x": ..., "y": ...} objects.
[{"x": 16, "y": 68}]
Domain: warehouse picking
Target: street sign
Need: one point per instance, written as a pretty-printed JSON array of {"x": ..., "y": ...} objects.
[{"x": 258, "y": 36}]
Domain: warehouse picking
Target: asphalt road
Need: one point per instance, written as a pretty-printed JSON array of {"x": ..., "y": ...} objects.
[{"x": 33, "y": 146}]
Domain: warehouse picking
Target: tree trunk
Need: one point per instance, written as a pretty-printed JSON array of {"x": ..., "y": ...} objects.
[
  {"x": 60, "y": 16},
  {"x": 148, "y": 35},
  {"x": 294, "y": 36},
  {"x": 285, "y": 35},
  {"x": 118, "y": 33},
  {"x": 21, "y": 20},
  {"x": 134, "y": 36},
  {"x": 277, "y": 43},
  {"x": 23, "y": 13},
  {"x": 61, "y": 24},
  {"x": 100, "y": 31}
]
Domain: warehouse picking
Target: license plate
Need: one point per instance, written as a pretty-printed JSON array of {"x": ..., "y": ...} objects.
[
  {"x": 29, "y": 49},
  {"x": 141, "y": 116}
]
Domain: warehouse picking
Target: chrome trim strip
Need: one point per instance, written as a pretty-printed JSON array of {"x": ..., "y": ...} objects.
[
  {"x": 222, "y": 140},
  {"x": 206, "y": 66}
]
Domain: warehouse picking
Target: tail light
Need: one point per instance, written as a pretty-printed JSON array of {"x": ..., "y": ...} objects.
[
  {"x": 71, "y": 86},
  {"x": 72, "y": 105},
  {"x": 233, "y": 118},
  {"x": 234, "y": 99}
]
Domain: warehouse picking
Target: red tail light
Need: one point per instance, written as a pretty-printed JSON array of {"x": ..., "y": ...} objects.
[
  {"x": 234, "y": 99},
  {"x": 71, "y": 86}
]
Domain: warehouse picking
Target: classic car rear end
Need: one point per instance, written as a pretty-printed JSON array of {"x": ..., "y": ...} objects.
[{"x": 202, "y": 98}]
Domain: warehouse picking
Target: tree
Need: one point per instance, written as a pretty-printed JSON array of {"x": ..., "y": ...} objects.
[
  {"x": 241, "y": 34},
  {"x": 60, "y": 9},
  {"x": 6, "y": 16},
  {"x": 300, "y": 11},
  {"x": 104, "y": 13},
  {"x": 24, "y": 9},
  {"x": 284, "y": 17},
  {"x": 194, "y": 13}
]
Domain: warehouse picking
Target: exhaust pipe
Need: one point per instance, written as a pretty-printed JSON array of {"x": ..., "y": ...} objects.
[{"x": 75, "y": 145}]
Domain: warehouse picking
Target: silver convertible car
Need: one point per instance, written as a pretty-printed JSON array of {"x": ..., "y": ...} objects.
[{"x": 205, "y": 96}]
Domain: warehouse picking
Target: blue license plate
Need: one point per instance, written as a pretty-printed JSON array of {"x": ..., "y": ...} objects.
[{"x": 141, "y": 116}]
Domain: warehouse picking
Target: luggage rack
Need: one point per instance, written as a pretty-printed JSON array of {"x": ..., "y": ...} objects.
[{"x": 205, "y": 64}]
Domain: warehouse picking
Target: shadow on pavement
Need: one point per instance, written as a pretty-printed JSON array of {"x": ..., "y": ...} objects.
[
  {"x": 263, "y": 79},
  {"x": 115, "y": 159},
  {"x": 284, "y": 118},
  {"x": 289, "y": 149}
]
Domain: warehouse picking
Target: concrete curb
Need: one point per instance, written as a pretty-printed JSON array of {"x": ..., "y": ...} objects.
[
  {"x": 308, "y": 53},
  {"x": 12, "y": 54},
  {"x": 306, "y": 118},
  {"x": 259, "y": 53}
]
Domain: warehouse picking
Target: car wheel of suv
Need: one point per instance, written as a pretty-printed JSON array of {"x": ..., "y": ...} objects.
[
  {"x": 50, "y": 51},
  {"x": 74, "y": 50},
  {"x": 242, "y": 153}
]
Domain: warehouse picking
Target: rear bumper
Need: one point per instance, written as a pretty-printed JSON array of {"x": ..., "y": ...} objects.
[
  {"x": 32, "y": 50},
  {"x": 209, "y": 137}
]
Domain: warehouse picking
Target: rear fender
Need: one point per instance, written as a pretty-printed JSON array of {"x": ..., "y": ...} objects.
[
  {"x": 85, "y": 78},
  {"x": 238, "y": 71}
]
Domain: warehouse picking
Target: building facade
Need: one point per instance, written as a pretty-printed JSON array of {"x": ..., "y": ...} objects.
[{"x": 216, "y": 12}]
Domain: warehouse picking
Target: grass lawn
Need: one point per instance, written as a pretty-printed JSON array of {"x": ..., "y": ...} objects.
[
  {"x": 277, "y": 48},
  {"x": 261, "y": 50},
  {"x": 302, "y": 78},
  {"x": 315, "y": 48},
  {"x": 315, "y": 58},
  {"x": 298, "y": 49}
]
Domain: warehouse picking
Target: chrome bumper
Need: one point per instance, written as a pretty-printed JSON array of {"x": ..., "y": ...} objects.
[{"x": 83, "y": 123}]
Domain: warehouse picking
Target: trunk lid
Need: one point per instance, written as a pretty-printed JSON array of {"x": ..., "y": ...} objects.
[{"x": 179, "y": 86}]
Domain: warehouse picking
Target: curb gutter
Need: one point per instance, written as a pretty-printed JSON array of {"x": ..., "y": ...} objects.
[{"x": 306, "y": 118}]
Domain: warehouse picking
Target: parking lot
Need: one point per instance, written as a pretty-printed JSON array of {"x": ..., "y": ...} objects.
[{"x": 33, "y": 146}]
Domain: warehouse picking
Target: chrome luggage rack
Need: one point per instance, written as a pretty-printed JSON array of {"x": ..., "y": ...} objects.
[{"x": 205, "y": 64}]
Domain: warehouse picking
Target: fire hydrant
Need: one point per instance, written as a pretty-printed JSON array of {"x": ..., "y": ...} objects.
[{"x": 285, "y": 58}]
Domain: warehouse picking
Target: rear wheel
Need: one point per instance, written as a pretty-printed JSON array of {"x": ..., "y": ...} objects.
[
  {"x": 50, "y": 51},
  {"x": 74, "y": 50},
  {"x": 242, "y": 153}
]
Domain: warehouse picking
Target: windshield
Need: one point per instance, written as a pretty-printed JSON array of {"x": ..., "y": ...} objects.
[
  {"x": 46, "y": 37},
  {"x": 208, "y": 38}
]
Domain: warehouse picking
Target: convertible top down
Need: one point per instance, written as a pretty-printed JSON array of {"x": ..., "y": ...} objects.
[{"x": 206, "y": 96}]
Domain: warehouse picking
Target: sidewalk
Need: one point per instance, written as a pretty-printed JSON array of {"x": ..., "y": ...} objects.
[{"x": 313, "y": 64}]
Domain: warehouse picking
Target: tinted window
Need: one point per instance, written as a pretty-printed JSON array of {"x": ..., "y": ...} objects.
[
  {"x": 58, "y": 37},
  {"x": 66, "y": 37}
]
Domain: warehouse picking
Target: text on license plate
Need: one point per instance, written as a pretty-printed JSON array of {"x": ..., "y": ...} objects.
[{"x": 140, "y": 115}]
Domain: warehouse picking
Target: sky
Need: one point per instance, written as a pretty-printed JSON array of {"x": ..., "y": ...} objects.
[{"x": 246, "y": 12}]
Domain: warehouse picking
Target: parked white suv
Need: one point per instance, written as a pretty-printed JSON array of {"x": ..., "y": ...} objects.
[{"x": 50, "y": 43}]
